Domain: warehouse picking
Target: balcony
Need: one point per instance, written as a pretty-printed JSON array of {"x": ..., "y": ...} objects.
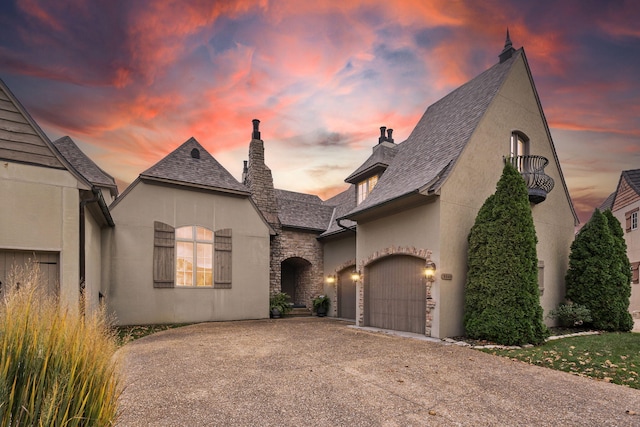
[{"x": 531, "y": 168}]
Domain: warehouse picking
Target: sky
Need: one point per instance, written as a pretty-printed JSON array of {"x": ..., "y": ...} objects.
[{"x": 129, "y": 81}]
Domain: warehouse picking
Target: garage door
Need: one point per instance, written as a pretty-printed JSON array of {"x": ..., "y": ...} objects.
[
  {"x": 395, "y": 294},
  {"x": 47, "y": 262},
  {"x": 346, "y": 294}
]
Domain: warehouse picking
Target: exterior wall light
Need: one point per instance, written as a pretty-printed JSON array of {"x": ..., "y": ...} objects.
[
  {"x": 355, "y": 276},
  {"x": 430, "y": 268},
  {"x": 331, "y": 279}
]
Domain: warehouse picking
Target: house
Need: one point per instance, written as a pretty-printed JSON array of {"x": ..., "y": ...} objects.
[
  {"x": 415, "y": 202},
  {"x": 189, "y": 245},
  {"x": 54, "y": 207},
  {"x": 187, "y": 242},
  {"x": 625, "y": 205}
]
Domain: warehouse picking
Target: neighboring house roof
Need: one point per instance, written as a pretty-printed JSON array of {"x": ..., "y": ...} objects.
[
  {"x": 632, "y": 177},
  {"x": 84, "y": 165},
  {"x": 198, "y": 169},
  {"x": 608, "y": 203},
  {"x": 342, "y": 204},
  {"x": 423, "y": 161},
  {"x": 304, "y": 211},
  {"x": 379, "y": 160}
]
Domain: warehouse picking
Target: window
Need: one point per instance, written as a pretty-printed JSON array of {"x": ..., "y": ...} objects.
[
  {"x": 519, "y": 148},
  {"x": 634, "y": 272},
  {"x": 194, "y": 256},
  {"x": 191, "y": 256},
  {"x": 365, "y": 187},
  {"x": 631, "y": 220}
]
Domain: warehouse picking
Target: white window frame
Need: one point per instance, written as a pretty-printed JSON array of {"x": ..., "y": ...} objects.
[
  {"x": 365, "y": 186},
  {"x": 200, "y": 237},
  {"x": 634, "y": 220},
  {"x": 519, "y": 147}
]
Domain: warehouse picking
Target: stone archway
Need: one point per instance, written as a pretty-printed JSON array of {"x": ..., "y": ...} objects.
[{"x": 296, "y": 280}]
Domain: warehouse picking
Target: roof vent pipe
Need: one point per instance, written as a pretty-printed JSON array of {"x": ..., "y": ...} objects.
[
  {"x": 383, "y": 137},
  {"x": 256, "y": 132}
]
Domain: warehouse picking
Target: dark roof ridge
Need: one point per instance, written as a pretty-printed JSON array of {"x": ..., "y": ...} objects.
[{"x": 83, "y": 164}]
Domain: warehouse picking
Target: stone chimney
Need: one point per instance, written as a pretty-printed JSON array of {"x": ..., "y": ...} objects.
[{"x": 259, "y": 179}]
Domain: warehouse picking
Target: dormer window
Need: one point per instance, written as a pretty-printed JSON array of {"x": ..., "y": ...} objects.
[{"x": 365, "y": 187}]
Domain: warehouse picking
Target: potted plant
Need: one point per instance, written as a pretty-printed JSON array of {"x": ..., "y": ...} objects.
[
  {"x": 321, "y": 305},
  {"x": 279, "y": 304}
]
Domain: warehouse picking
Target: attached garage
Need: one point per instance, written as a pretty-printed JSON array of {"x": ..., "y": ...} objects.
[
  {"x": 346, "y": 294},
  {"x": 48, "y": 262},
  {"x": 395, "y": 294}
]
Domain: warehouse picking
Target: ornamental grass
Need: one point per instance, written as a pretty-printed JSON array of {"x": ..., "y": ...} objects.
[{"x": 57, "y": 366}]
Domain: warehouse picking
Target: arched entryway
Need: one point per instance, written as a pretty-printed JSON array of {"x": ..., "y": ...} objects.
[
  {"x": 295, "y": 280},
  {"x": 395, "y": 294},
  {"x": 346, "y": 294}
]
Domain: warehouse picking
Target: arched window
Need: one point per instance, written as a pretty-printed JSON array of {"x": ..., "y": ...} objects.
[
  {"x": 194, "y": 256},
  {"x": 519, "y": 148}
]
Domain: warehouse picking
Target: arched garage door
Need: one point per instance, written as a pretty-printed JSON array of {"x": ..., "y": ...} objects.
[{"x": 395, "y": 294}]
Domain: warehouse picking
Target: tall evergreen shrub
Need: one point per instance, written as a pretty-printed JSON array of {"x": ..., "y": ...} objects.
[
  {"x": 501, "y": 296},
  {"x": 599, "y": 273}
]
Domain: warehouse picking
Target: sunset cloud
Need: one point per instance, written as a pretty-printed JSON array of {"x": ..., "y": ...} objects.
[{"x": 130, "y": 81}]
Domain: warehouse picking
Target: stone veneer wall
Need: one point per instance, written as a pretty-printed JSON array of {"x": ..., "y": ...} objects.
[
  {"x": 394, "y": 250},
  {"x": 305, "y": 245}
]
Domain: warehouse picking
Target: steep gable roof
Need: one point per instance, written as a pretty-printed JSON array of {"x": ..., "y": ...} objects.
[
  {"x": 304, "y": 211},
  {"x": 21, "y": 139},
  {"x": 424, "y": 160},
  {"x": 83, "y": 164},
  {"x": 608, "y": 202},
  {"x": 197, "y": 169}
]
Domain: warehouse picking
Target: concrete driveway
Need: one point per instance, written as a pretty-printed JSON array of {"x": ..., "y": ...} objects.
[{"x": 323, "y": 372}]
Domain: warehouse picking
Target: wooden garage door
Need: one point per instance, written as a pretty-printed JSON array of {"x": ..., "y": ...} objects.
[
  {"x": 47, "y": 262},
  {"x": 346, "y": 294},
  {"x": 395, "y": 294}
]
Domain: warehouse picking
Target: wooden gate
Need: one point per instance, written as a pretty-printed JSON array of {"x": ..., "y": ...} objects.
[
  {"x": 395, "y": 294},
  {"x": 346, "y": 294}
]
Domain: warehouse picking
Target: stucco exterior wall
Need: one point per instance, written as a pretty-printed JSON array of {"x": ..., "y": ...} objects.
[
  {"x": 43, "y": 215},
  {"x": 93, "y": 263},
  {"x": 474, "y": 178},
  {"x": 338, "y": 254},
  {"x": 632, "y": 239},
  {"x": 130, "y": 292}
]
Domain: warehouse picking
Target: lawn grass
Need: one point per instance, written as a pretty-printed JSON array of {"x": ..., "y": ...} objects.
[
  {"x": 126, "y": 334},
  {"x": 612, "y": 357}
]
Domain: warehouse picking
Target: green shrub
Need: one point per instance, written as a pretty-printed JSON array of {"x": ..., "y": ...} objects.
[
  {"x": 502, "y": 302},
  {"x": 280, "y": 300},
  {"x": 321, "y": 301},
  {"x": 57, "y": 367},
  {"x": 571, "y": 315},
  {"x": 622, "y": 281},
  {"x": 596, "y": 276}
]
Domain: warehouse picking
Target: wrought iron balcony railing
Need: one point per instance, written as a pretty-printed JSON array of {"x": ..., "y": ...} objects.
[{"x": 531, "y": 168}]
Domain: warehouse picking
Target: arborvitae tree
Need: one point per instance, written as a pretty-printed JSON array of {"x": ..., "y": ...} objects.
[
  {"x": 623, "y": 280},
  {"x": 599, "y": 273},
  {"x": 502, "y": 302}
]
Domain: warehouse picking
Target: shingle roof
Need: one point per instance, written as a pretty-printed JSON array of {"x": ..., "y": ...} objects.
[
  {"x": 83, "y": 164},
  {"x": 300, "y": 210},
  {"x": 181, "y": 167},
  {"x": 608, "y": 203},
  {"x": 633, "y": 178},
  {"x": 342, "y": 204},
  {"x": 424, "y": 159},
  {"x": 380, "y": 159}
]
